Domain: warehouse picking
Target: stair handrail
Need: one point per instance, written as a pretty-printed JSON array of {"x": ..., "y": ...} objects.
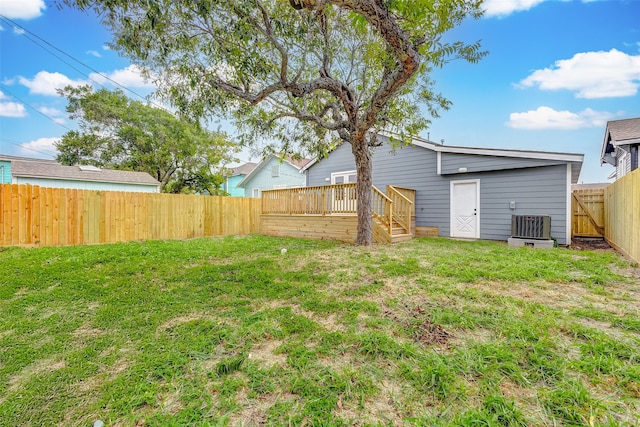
[
  {"x": 380, "y": 211},
  {"x": 404, "y": 208}
]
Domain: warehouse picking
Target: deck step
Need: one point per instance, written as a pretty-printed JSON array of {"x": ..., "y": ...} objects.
[
  {"x": 397, "y": 238},
  {"x": 398, "y": 233}
]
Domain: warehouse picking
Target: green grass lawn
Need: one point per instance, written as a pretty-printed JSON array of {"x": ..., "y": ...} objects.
[{"x": 231, "y": 331}]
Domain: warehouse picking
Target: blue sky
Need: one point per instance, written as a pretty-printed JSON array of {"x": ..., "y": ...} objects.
[{"x": 555, "y": 73}]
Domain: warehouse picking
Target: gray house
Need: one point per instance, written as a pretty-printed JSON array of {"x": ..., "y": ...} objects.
[
  {"x": 467, "y": 192},
  {"x": 621, "y": 145}
]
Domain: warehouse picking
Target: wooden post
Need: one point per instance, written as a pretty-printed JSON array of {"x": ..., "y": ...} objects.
[{"x": 324, "y": 201}]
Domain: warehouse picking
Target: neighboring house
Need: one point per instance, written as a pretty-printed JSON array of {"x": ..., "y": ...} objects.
[
  {"x": 49, "y": 173},
  {"x": 467, "y": 192},
  {"x": 5, "y": 171},
  {"x": 621, "y": 145},
  {"x": 273, "y": 173},
  {"x": 237, "y": 175}
]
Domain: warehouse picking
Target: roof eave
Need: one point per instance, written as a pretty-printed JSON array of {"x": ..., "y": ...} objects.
[
  {"x": 258, "y": 167},
  {"x": 19, "y": 175}
]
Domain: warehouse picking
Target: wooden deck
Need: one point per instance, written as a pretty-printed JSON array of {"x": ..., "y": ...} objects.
[{"x": 329, "y": 212}]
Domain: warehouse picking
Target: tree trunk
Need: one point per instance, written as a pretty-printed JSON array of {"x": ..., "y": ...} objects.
[{"x": 360, "y": 149}]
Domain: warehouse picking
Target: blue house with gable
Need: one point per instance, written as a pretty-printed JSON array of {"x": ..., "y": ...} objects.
[{"x": 274, "y": 173}]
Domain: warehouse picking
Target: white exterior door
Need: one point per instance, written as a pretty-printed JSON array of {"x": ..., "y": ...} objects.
[{"x": 465, "y": 204}]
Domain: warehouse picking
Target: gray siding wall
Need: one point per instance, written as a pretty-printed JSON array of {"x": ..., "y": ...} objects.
[
  {"x": 624, "y": 161},
  {"x": 475, "y": 163},
  {"x": 536, "y": 190}
]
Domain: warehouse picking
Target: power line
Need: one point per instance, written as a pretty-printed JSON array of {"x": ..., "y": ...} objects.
[
  {"x": 11, "y": 22},
  {"x": 62, "y": 60},
  {"x": 4, "y": 89},
  {"x": 22, "y": 145}
]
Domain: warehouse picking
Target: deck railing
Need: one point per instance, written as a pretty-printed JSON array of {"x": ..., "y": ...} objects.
[
  {"x": 393, "y": 208},
  {"x": 320, "y": 200}
]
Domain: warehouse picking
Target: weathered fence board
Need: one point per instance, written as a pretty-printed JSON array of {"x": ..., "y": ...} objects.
[
  {"x": 622, "y": 215},
  {"x": 32, "y": 215}
]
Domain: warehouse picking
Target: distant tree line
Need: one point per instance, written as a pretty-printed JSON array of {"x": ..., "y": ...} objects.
[{"x": 116, "y": 132}]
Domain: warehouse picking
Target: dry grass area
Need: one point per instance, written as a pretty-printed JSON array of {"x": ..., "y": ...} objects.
[{"x": 233, "y": 332}]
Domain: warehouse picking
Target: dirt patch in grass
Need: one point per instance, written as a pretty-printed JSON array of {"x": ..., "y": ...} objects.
[
  {"x": 264, "y": 354},
  {"x": 606, "y": 327},
  {"x": 185, "y": 319},
  {"x": 590, "y": 244},
  {"x": 631, "y": 272},
  {"x": 89, "y": 384},
  {"x": 526, "y": 399},
  {"x": 426, "y": 332},
  {"x": 341, "y": 361},
  {"x": 85, "y": 331},
  {"x": 36, "y": 368},
  {"x": 329, "y": 321},
  {"x": 476, "y": 335},
  {"x": 430, "y": 334},
  {"x": 417, "y": 320},
  {"x": 254, "y": 411},
  {"x": 381, "y": 409},
  {"x": 559, "y": 295},
  {"x": 170, "y": 403}
]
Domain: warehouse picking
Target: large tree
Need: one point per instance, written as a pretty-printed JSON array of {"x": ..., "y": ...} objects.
[
  {"x": 119, "y": 133},
  {"x": 307, "y": 73}
]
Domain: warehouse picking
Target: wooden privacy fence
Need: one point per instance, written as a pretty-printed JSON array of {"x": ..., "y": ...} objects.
[
  {"x": 587, "y": 207},
  {"x": 32, "y": 215},
  {"x": 622, "y": 215}
]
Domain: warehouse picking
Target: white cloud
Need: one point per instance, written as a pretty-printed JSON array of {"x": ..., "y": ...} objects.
[
  {"x": 548, "y": 118},
  {"x": 12, "y": 109},
  {"x": 50, "y": 111},
  {"x": 507, "y": 7},
  {"x": 54, "y": 114},
  {"x": 46, "y": 83},
  {"x": 3, "y": 96},
  {"x": 18, "y": 31},
  {"x": 22, "y": 9},
  {"x": 39, "y": 147},
  {"x": 591, "y": 74},
  {"x": 94, "y": 53},
  {"x": 128, "y": 77}
]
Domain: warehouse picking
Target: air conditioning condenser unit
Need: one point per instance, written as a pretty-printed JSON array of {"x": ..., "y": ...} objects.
[{"x": 531, "y": 227}]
